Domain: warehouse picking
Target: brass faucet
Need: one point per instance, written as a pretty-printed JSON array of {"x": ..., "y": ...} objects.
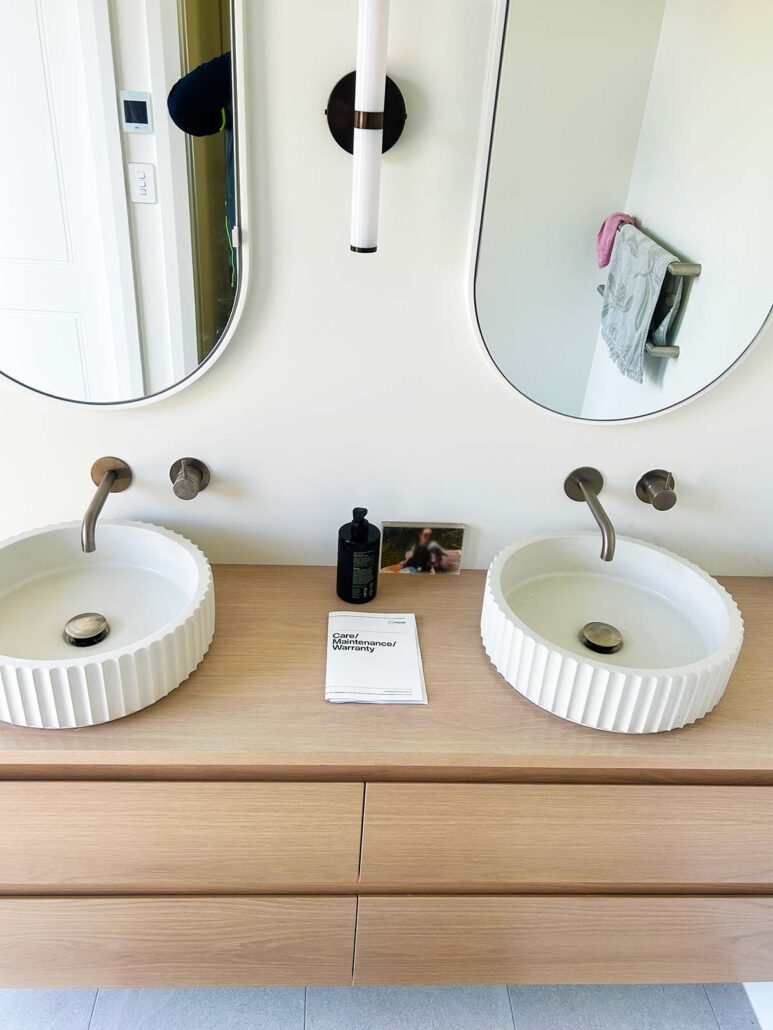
[
  {"x": 111, "y": 476},
  {"x": 585, "y": 484}
]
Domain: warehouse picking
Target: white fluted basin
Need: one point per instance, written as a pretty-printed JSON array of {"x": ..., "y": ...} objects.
[
  {"x": 681, "y": 632},
  {"x": 153, "y": 586}
]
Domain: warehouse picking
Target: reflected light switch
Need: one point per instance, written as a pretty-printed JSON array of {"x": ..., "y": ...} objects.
[{"x": 142, "y": 183}]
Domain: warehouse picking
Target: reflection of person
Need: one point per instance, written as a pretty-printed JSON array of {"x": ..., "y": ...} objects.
[
  {"x": 427, "y": 555},
  {"x": 201, "y": 104}
]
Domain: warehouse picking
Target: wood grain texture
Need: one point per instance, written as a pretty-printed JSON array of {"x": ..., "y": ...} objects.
[
  {"x": 543, "y": 940},
  {"x": 176, "y": 942},
  {"x": 64, "y": 838},
  {"x": 255, "y": 707},
  {"x": 520, "y": 837}
]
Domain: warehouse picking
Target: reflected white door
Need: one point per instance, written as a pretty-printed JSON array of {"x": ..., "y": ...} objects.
[{"x": 68, "y": 316}]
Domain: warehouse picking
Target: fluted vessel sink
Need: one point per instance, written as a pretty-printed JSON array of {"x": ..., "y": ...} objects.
[
  {"x": 678, "y": 631},
  {"x": 153, "y": 588}
]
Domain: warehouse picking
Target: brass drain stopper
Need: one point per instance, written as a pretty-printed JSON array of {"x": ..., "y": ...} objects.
[
  {"x": 601, "y": 637},
  {"x": 86, "y": 629}
]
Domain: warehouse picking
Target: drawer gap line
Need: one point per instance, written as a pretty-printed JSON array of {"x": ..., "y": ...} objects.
[{"x": 362, "y": 830}]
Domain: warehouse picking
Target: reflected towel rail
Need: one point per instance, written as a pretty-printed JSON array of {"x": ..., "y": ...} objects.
[
  {"x": 649, "y": 347},
  {"x": 689, "y": 269},
  {"x": 686, "y": 269}
]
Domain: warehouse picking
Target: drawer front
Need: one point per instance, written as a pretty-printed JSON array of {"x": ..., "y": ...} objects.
[
  {"x": 542, "y": 940},
  {"x": 65, "y": 838},
  {"x": 574, "y": 838},
  {"x": 176, "y": 942}
]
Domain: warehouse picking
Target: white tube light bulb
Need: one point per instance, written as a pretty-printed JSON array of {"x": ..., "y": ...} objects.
[{"x": 370, "y": 84}]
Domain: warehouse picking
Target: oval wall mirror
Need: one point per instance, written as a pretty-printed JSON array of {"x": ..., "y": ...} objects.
[
  {"x": 624, "y": 261},
  {"x": 119, "y": 203}
]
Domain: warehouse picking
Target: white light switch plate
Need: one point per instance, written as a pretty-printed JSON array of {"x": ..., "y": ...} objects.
[{"x": 142, "y": 183}]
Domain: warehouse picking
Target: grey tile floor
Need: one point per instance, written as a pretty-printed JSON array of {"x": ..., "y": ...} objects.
[{"x": 640, "y": 1007}]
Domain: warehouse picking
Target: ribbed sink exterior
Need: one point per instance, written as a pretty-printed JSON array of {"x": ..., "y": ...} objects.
[
  {"x": 63, "y": 695},
  {"x": 605, "y": 697}
]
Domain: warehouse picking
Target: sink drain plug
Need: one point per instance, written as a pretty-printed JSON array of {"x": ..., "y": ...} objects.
[
  {"x": 86, "y": 629},
  {"x": 601, "y": 637}
]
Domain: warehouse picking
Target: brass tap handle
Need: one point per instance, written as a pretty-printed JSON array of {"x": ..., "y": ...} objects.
[
  {"x": 189, "y": 477},
  {"x": 656, "y": 487}
]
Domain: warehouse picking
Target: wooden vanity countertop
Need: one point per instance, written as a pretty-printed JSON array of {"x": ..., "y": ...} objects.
[{"x": 255, "y": 708}]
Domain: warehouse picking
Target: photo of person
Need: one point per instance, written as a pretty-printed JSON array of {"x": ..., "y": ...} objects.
[{"x": 421, "y": 549}]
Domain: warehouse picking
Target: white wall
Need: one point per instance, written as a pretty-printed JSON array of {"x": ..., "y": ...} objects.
[
  {"x": 573, "y": 91},
  {"x": 701, "y": 186},
  {"x": 360, "y": 379}
]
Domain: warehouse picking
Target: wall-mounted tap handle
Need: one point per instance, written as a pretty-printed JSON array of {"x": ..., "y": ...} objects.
[
  {"x": 189, "y": 477},
  {"x": 656, "y": 487},
  {"x": 585, "y": 484}
]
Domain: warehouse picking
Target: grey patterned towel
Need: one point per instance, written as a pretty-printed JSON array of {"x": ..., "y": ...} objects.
[{"x": 635, "y": 279}]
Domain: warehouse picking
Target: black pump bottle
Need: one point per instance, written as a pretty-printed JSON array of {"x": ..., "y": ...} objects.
[{"x": 358, "y": 547}]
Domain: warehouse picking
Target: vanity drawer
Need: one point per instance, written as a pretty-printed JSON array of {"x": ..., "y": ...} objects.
[
  {"x": 176, "y": 942},
  {"x": 523, "y": 837},
  {"x": 541, "y": 940},
  {"x": 75, "y": 837}
]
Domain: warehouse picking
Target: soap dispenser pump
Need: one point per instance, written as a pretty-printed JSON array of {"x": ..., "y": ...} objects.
[{"x": 358, "y": 548}]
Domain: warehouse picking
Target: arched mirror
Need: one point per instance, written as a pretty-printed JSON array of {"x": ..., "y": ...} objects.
[
  {"x": 119, "y": 213},
  {"x": 624, "y": 261}
]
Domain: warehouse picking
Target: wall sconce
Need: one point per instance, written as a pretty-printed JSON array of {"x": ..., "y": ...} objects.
[{"x": 366, "y": 116}]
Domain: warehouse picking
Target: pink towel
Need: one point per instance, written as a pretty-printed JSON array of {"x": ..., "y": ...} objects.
[{"x": 605, "y": 240}]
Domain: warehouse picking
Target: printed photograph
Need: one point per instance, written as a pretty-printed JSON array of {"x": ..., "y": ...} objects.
[{"x": 416, "y": 548}]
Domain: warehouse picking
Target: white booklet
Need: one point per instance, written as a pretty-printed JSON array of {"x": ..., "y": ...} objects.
[{"x": 374, "y": 659}]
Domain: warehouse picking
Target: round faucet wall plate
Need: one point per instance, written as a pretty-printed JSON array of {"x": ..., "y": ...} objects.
[
  {"x": 123, "y": 479},
  {"x": 586, "y": 474}
]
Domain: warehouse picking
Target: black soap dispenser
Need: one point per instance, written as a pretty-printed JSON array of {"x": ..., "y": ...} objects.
[{"x": 358, "y": 548}]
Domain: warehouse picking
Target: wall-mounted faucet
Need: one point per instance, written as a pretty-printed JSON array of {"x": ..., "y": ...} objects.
[
  {"x": 656, "y": 487},
  {"x": 585, "y": 484},
  {"x": 111, "y": 476}
]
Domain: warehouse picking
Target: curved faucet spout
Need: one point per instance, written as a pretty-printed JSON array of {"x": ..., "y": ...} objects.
[
  {"x": 89, "y": 527},
  {"x": 111, "y": 475},
  {"x": 585, "y": 484},
  {"x": 602, "y": 520}
]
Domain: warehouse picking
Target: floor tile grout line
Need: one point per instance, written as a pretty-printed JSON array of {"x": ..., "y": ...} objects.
[
  {"x": 510, "y": 1003},
  {"x": 708, "y": 999},
  {"x": 93, "y": 1007},
  {"x": 305, "y": 1004}
]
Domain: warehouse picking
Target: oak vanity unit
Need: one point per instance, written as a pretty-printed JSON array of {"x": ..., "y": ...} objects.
[{"x": 244, "y": 832}]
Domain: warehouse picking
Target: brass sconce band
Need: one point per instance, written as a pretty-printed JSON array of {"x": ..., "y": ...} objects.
[
  {"x": 369, "y": 119},
  {"x": 343, "y": 117}
]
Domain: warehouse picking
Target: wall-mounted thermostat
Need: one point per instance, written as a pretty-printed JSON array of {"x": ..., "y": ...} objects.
[{"x": 135, "y": 111}]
